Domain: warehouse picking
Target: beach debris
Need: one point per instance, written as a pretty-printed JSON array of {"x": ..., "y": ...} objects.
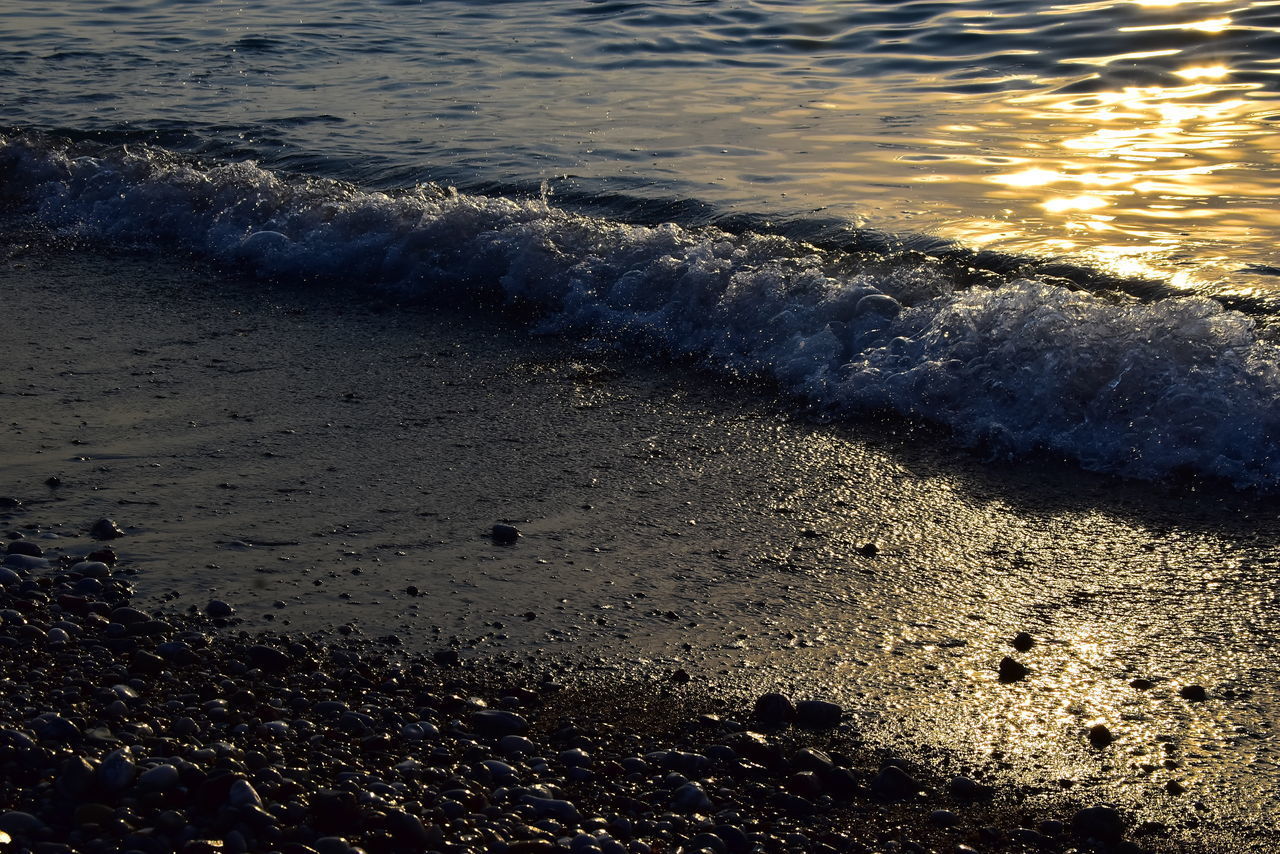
[
  {"x": 1012, "y": 670},
  {"x": 105, "y": 529},
  {"x": 1023, "y": 641},
  {"x": 868, "y": 550}
]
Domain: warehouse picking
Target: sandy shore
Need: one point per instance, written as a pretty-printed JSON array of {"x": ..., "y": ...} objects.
[{"x": 310, "y": 457}]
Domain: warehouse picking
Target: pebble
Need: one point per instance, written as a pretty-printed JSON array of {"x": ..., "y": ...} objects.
[
  {"x": 1100, "y": 736},
  {"x": 894, "y": 783},
  {"x": 1023, "y": 641},
  {"x": 1193, "y": 693},
  {"x": 218, "y": 608},
  {"x": 497, "y": 722},
  {"x": 1012, "y": 670},
  {"x": 159, "y": 777},
  {"x": 505, "y": 535},
  {"x": 105, "y": 529},
  {"x": 774, "y": 709},
  {"x": 818, "y": 714},
  {"x": 116, "y": 771},
  {"x": 1102, "y": 823},
  {"x": 24, "y": 547}
]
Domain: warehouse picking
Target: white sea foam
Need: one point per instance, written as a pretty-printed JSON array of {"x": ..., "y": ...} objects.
[{"x": 1139, "y": 389}]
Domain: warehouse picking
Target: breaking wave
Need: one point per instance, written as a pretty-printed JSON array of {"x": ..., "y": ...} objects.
[{"x": 1142, "y": 389}]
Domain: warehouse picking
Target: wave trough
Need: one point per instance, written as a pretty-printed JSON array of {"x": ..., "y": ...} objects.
[{"x": 1138, "y": 389}]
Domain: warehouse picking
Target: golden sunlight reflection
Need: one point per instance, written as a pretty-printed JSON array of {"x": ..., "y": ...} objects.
[{"x": 1142, "y": 163}]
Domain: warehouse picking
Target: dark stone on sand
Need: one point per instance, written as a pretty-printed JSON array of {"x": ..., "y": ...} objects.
[
  {"x": 1012, "y": 670},
  {"x": 1023, "y": 642},
  {"x": 53, "y": 482},
  {"x": 1173, "y": 787},
  {"x": 1102, "y": 823},
  {"x": 496, "y": 722},
  {"x": 680, "y": 677},
  {"x": 1194, "y": 693},
  {"x": 218, "y": 608},
  {"x": 268, "y": 658},
  {"x": 446, "y": 657},
  {"x": 967, "y": 788},
  {"x": 944, "y": 818},
  {"x": 775, "y": 709},
  {"x": 818, "y": 714},
  {"x": 105, "y": 529},
  {"x": 894, "y": 784},
  {"x": 504, "y": 535},
  {"x": 869, "y": 550},
  {"x": 1100, "y": 735},
  {"x": 1142, "y": 684},
  {"x": 24, "y": 547},
  {"x": 107, "y": 556}
]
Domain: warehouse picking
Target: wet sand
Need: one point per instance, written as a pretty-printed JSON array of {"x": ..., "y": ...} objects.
[{"x": 310, "y": 457}]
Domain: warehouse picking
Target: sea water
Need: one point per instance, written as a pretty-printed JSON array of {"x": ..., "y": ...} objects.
[{"x": 1047, "y": 227}]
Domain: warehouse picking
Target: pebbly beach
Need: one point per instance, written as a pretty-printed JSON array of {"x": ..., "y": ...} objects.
[{"x": 123, "y": 730}]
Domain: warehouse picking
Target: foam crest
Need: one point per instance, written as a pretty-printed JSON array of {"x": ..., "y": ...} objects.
[{"x": 1140, "y": 389}]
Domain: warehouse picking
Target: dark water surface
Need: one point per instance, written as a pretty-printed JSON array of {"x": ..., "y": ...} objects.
[{"x": 1137, "y": 134}]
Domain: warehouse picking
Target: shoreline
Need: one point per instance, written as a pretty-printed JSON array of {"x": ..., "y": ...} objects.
[
  {"x": 309, "y": 458},
  {"x": 159, "y": 732}
]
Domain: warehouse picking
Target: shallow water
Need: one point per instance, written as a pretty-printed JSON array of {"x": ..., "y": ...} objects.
[{"x": 1136, "y": 134}]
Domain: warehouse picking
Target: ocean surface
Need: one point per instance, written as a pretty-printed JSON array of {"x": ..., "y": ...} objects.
[{"x": 1050, "y": 228}]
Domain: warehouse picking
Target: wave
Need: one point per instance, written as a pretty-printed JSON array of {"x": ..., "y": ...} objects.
[{"x": 1144, "y": 389}]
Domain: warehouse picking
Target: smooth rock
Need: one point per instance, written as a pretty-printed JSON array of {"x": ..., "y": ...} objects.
[
  {"x": 105, "y": 529},
  {"x": 505, "y": 535},
  {"x": 24, "y": 547},
  {"x": 774, "y": 709},
  {"x": 1022, "y": 641},
  {"x": 20, "y": 823},
  {"x": 159, "y": 778},
  {"x": 25, "y": 562},
  {"x": 268, "y": 658},
  {"x": 894, "y": 783},
  {"x": 1102, "y": 823},
  {"x": 497, "y": 722},
  {"x": 218, "y": 608},
  {"x": 1012, "y": 670},
  {"x": 117, "y": 771},
  {"x": 818, "y": 714}
]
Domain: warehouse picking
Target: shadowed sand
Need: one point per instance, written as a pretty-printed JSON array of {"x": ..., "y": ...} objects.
[{"x": 310, "y": 456}]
